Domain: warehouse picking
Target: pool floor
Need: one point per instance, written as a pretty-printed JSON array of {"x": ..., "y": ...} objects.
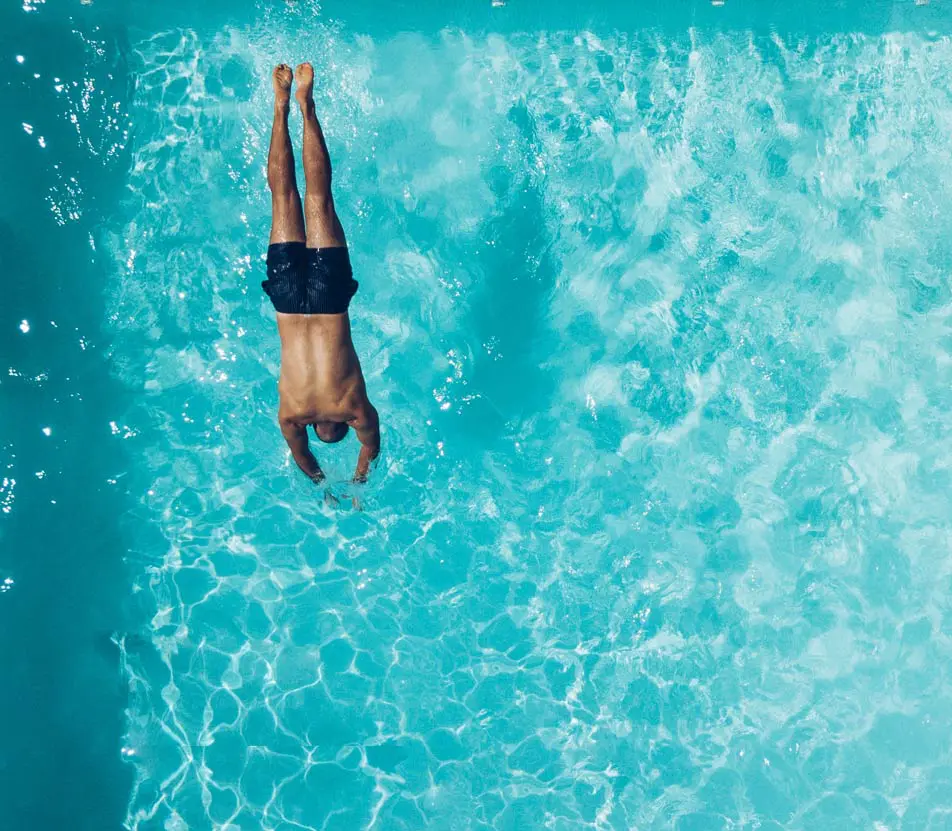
[{"x": 658, "y": 323}]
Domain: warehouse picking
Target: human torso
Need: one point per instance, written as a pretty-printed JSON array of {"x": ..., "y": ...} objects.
[{"x": 321, "y": 378}]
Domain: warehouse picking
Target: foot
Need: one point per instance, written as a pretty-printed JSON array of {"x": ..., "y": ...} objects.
[
  {"x": 281, "y": 77},
  {"x": 304, "y": 75}
]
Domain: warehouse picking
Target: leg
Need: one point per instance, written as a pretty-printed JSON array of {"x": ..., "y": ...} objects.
[
  {"x": 323, "y": 227},
  {"x": 287, "y": 218}
]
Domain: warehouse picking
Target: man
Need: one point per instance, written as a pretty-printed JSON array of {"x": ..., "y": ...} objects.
[{"x": 310, "y": 283}]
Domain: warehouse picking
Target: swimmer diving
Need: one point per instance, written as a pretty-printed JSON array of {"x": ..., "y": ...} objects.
[{"x": 310, "y": 283}]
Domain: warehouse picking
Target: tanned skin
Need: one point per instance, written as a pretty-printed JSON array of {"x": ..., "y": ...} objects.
[{"x": 321, "y": 383}]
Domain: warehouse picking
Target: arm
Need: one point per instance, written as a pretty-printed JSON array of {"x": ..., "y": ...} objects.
[
  {"x": 296, "y": 437},
  {"x": 367, "y": 428}
]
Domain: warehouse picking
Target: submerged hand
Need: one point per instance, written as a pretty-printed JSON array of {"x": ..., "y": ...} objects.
[{"x": 367, "y": 455}]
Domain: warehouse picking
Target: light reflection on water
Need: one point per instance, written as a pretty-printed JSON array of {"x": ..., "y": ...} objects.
[{"x": 660, "y": 538}]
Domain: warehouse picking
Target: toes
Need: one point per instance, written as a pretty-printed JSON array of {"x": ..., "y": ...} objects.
[{"x": 282, "y": 79}]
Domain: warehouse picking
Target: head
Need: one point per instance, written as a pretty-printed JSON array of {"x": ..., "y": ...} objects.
[{"x": 330, "y": 432}]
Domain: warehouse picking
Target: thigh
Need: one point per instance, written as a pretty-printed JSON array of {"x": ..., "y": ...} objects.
[
  {"x": 323, "y": 227},
  {"x": 287, "y": 218}
]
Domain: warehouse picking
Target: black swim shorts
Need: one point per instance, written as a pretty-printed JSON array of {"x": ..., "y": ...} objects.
[{"x": 309, "y": 281}]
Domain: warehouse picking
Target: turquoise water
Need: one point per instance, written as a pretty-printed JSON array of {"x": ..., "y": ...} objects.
[
  {"x": 63, "y": 476},
  {"x": 657, "y": 317}
]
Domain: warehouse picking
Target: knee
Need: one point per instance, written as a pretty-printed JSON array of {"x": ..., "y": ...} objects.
[
  {"x": 281, "y": 187},
  {"x": 285, "y": 202},
  {"x": 319, "y": 205},
  {"x": 319, "y": 200}
]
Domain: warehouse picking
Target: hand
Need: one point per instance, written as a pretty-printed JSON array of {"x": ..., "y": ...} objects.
[
  {"x": 367, "y": 455},
  {"x": 295, "y": 435}
]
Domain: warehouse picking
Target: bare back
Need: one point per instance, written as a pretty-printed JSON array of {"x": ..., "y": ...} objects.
[{"x": 321, "y": 379}]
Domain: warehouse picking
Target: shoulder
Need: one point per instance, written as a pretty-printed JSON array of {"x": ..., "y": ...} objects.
[
  {"x": 291, "y": 418},
  {"x": 364, "y": 414},
  {"x": 292, "y": 408},
  {"x": 288, "y": 417}
]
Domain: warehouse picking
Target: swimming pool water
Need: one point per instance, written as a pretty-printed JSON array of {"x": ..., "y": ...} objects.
[{"x": 658, "y": 324}]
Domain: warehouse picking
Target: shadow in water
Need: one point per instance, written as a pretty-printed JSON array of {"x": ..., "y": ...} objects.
[{"x": 508, "y": 308}]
